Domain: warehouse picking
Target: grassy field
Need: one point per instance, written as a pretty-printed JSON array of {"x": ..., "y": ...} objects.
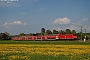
[
  {"x": 44, "y": 50},
  {"x": 46, "y": 42}
]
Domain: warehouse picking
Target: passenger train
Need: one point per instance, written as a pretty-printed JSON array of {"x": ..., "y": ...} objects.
[{"x": 47, "y": 37}]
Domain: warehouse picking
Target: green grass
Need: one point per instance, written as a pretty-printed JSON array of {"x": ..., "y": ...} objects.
[{"x": 45, "y": 42}]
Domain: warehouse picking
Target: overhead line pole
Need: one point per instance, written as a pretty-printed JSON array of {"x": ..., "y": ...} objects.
[{"x": 81, "y": 33}]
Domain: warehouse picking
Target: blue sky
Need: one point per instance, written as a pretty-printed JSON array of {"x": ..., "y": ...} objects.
[{"x": 29, "y": 16}]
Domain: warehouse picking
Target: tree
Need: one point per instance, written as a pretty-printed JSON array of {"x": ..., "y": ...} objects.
[
  {"x": 68, "y": 31},
  {"x": 42, "y": 31},
  {"x": 4, "y": 36},
  {"x": 78, "y": 35},
  {"x": 38, "y": 33},
  {"x": 87, "y": 36},
  {"x": 62, "y": 32},
  {"x": 73, "y": 32},
  {"x": 48, "y": 32},
  {"x": 21, "y": 34},
  {"x": 30, "y": 34},
  {"x": 55, "y": 31},
  {"x": 7, "y": 33},
  {"x": 0, "y": 36}
]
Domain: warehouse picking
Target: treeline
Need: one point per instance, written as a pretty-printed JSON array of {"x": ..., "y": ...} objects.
[
  {"x": 5, "y": 36},
  {"x": 80, "y": 35}
]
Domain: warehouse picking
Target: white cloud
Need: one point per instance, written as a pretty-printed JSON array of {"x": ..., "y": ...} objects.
[
  {"x": 72, "y": 27},
  {"x": 5, "y": 25},
  {"x": 79, "y": 24},
  {"x": 16, "y": 23},
  {"x": 86, "y": 27},
  {"x": 13, "y": 24},
  {"x": 25, "y": 23},
  {"x": 64, "y": 20},
  {"x": 84, "y": 19}
]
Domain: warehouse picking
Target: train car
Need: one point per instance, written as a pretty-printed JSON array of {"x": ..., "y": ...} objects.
[
  {"x": 38, "y": 37},
  {"x": 16, "y": 38},
  {"x": 51, "y": 37}
]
